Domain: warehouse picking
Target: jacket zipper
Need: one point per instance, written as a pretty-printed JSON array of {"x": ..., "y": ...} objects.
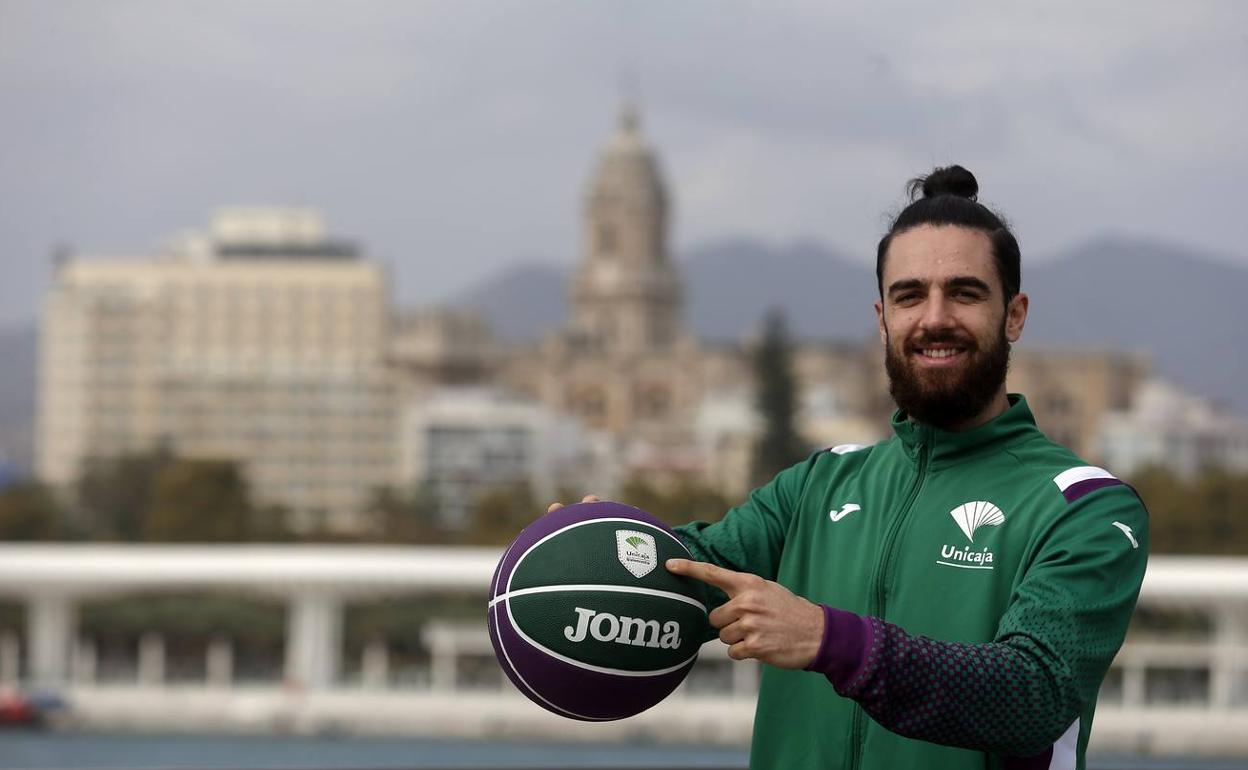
[{"x": 876, "y": 608}]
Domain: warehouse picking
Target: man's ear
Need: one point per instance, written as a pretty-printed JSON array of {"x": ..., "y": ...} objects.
[
  {"x": 879, "y": 319},
  {"x": 1016, "y": 316}
]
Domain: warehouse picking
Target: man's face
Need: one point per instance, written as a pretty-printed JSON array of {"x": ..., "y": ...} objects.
[{"x": 945, "y": 326}]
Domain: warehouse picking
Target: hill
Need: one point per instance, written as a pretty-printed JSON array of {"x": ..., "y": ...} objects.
[{"x": 1178, "y": 304}]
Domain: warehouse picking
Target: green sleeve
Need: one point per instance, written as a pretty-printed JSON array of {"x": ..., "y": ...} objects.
[
  {"x": 1065, "y": 622},
  {"x": 750, "y": 537},
  {"x": 1072, "y": 608}
]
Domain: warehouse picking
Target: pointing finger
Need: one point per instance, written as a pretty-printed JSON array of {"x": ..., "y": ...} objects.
[{"x": 731, "y": 582}]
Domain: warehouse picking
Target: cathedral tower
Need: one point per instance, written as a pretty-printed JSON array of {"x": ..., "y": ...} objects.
[{"x": 625, "y": 297}]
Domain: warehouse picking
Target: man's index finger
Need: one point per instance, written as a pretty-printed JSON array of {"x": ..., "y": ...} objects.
[{"x": 727, "y": 580}]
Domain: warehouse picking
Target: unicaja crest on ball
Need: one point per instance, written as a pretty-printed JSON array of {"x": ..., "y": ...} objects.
[{"x": 584, "y": 618}]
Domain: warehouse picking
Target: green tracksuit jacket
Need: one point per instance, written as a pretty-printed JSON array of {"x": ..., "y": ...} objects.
[{"x": 976, "y": 587}]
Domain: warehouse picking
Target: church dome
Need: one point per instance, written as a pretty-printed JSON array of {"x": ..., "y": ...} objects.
[{"x": 627, "y": 168}]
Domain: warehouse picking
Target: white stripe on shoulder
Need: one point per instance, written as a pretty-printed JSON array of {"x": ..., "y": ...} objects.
[
  {"x": 841, "y": 449},
  {"x": 1069, "y": 478}
]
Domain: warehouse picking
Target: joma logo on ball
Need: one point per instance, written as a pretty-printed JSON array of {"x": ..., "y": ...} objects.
[{"x": 606, "y": 627}]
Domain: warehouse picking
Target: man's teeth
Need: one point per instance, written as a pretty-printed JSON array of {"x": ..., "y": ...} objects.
[{"x": 942, "y": 353}]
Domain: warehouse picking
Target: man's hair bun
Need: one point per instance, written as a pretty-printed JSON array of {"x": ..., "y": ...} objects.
[
  {"x": 946, "y": 197},
  {"x": 950, "y": 180}
]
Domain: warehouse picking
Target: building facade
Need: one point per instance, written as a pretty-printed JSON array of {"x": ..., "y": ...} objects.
[
  {"x": 626, "y": 364},
  {"x": 461, "y": 443},
  {"x": 622, "y": 362},
  {"x": 262, "y": 342},
  {"x": 1173, "y": 430},
  {"x": 267, "y": 342}
]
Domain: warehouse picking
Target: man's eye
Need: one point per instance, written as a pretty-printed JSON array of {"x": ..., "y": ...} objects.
[{"x": 902, "y": 299}]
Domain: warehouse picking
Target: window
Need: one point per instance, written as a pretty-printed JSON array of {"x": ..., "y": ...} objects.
[
  {"x": 590, "y": 403},
  {"x": 606, "y": 239},
  {"x": 653, "y": 402}
]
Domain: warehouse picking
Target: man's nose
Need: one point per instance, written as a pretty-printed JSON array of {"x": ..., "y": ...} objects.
[{"x": 938, "y": 313}]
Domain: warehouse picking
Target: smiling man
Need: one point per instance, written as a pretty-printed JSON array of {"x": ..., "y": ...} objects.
[
  {"x": 946, "y": 329},
  {"x": 951, "y": 597}
]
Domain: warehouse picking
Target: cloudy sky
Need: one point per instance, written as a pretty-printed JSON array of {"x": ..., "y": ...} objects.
[{"x": 454, "y": 138}]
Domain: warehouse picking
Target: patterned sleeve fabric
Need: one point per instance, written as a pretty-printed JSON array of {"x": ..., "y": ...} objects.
[
  {"x": 1018, "y": 693},
  {"x": 996, "y": 697}
]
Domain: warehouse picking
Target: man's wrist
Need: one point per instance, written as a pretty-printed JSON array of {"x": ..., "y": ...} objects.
[{"x": 843, "y": 650}]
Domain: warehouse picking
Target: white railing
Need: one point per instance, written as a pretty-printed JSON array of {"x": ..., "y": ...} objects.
[{"x": 1184, "y": 691}]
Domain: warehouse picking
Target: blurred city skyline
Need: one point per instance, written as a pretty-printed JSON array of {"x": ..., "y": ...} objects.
[
  {"x": 253, "y": 483},
  {"x": 454, "y": 139}
]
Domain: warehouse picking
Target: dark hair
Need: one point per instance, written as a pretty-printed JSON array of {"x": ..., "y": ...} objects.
[{"x": 949, "y": 199}]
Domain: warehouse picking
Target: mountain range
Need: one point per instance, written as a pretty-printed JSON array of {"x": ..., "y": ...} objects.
[{"x": 1183, "y": 307}]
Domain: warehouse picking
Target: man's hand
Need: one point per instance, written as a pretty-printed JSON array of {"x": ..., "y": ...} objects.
[
  {"x": 586, "y": 499},
  {"x": 761, "y": 619}
]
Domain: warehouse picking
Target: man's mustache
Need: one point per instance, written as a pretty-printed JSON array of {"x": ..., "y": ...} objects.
[{"x": 928, "y": 340}]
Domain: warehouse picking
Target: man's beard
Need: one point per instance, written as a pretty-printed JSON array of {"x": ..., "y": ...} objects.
[{"x": 946, "y": 398}]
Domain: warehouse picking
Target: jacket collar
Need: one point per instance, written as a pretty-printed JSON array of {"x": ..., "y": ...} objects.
[{"x": 947, "y": 447}]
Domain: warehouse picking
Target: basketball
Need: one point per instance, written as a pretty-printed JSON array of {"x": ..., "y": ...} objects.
[{"x": 584, "y": 618}]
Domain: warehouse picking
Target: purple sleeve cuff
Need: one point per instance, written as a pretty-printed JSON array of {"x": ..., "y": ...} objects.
[{"x": 847, "y": 638}]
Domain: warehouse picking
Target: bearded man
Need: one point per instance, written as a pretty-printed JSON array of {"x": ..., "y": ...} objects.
[{"x": 951, "y": 597}]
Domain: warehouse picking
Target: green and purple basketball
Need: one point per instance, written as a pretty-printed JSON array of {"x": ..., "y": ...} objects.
[{"x": 585, "y": 619}]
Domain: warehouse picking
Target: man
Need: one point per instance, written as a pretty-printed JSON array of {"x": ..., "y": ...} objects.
[{"x": 951, "y": 597}]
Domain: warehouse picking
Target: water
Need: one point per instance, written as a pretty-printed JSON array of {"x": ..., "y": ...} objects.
[
  {"x": 96, "y": 750},
  {"x": 99, "y": 751}
]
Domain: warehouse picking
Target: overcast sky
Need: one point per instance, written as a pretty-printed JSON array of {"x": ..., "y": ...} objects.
[{"x": 454, "y": 138}]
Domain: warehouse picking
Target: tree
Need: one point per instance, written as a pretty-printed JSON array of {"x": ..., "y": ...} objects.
[
  {"x": 679, "y": 503},
  {"x": 1223, "y": 499},
  {"x": 199, "y": 501},
  {"x": 196, "y": 615},
  {"x": 29, "y": 512},
  {"x": 402, "y": 517},
  {"x": 115, "y": 493},
  {"x": 501, "y": 513},
  {"x": 1201, "y": 515},
  {"x": 779, "y": 445},
  {"x": 270, "y": 523}
]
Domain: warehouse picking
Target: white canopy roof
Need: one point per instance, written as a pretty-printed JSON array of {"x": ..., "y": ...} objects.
[
  {"x": 30, "y": 569},
  {"x": 346, "y": 570}
]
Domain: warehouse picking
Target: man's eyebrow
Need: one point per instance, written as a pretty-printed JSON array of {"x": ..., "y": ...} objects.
[
  {"x": 904, "y": 284},
  {"x": 959, "y": 281},
  {"x": 968, "y": 282}
]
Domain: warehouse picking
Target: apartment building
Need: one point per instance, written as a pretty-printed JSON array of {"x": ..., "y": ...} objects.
[{"x": 262, "y": 340}]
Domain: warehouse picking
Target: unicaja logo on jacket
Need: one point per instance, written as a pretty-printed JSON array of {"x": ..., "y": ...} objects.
[{"x": 970, "y": 517}]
